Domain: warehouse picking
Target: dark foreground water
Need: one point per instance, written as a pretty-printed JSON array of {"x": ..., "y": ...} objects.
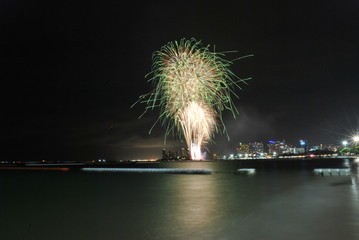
[{"x": 273, "y": 204}]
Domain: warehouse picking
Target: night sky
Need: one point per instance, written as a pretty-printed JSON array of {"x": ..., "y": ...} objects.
[{"x": 71, "y": 71}]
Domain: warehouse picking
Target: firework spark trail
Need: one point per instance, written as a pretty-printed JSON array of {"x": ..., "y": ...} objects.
[
  {"x": 197, "y": 124},
  {"x": 192, "y": 87}
]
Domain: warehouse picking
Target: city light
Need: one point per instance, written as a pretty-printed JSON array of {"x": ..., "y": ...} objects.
[
  {"x": 356, "y": 138},
  {"x": 282, "y": 149}
]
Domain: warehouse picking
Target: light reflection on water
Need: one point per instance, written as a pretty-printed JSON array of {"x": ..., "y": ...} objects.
[
  {"x": 355, "y": 200},
  {"x": 273, "y": 204},
  {"x": 191, "y": 208}
]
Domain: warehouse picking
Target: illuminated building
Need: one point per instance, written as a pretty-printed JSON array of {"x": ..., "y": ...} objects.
[
  {"x": 243, "y": 150},
  {"x": 327, "y": 147},
  {"x": 331, "y": 147},
  {"x": 256, "y": 148},
  {"x": 296, "y": 150},
  {"x": 304, "y": 144},
  {"x": 276, "y": 148},
  {"x": 169, "y": 155},
  {"x": 184, "y": 153}
]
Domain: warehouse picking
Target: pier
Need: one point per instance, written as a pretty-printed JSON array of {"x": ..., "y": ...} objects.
[{"x": 150, "y": 170}]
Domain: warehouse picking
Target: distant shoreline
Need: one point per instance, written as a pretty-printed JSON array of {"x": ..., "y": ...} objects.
[{"x": 252, "y": 163}]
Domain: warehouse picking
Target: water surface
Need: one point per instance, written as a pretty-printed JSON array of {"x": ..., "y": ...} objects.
[{"x": 273, "y": 204}]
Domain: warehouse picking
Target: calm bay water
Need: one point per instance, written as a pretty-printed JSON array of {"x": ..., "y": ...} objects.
[{"x": 273, "y": 204}]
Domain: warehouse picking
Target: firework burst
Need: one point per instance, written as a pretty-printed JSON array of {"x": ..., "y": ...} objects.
[{"x": 192, "y": 86}]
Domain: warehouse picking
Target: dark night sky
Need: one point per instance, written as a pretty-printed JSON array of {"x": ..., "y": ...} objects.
[{"x": 71, "y": 71}]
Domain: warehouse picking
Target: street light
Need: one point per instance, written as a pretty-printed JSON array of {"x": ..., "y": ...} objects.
[
  {"x": 345, "y": 143},
  {"x": 356, "y": 139}
]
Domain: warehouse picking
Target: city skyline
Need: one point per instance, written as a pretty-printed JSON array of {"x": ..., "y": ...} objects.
[
  {"x": 265, "y": 148},
  {"x": 72, "y": 71}
]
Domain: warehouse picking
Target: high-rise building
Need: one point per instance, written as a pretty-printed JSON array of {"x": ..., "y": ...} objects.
[
  {"x": 304, "y": 144},
  {"x": 296, "y": 150},
  {"x": 243, "y": 149},
  {"x": 184, "y": 153},
  {"x": 170, "y": 155},
  {"x": 256, "y": 148},
  {"x": 276, "y": 148},
  {"x": 164, "y": 154},
  {"x": 326, "y": 147},
  {"x": 332, "y": 147}
]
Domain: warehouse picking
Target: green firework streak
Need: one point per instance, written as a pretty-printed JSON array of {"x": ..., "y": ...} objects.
[{"x": 192, "y": 86}]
